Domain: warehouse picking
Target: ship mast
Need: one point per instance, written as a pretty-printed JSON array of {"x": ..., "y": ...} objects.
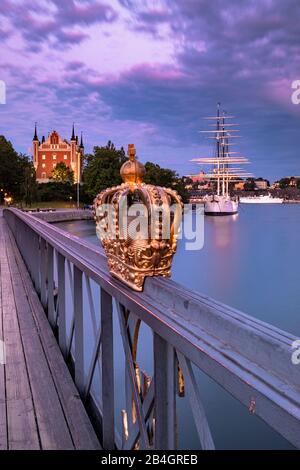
[
  {"x": 225, "y": 160},
  {"x": 218, "y": 149}
]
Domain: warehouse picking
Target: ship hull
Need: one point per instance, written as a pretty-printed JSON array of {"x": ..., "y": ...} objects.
[
  {"x": 220, "y": 206},
  {"x": 217, "y": 214}
]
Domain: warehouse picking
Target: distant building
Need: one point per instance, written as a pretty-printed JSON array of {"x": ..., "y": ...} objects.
[
  {"x": 294, "y": 180},
  {"x": 239, "y": 186},
  {"x": 48, "y": 153},
  {"x": 200, "y": 178},
  {"x": 261, "y": 184},
  {"x": 192, "y": 180}
]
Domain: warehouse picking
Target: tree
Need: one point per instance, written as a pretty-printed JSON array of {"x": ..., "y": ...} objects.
[
  {"x": 284, "y": 183},
  {"x": 249, "y": 184},
  {"x": 29, "y": 185},
  {"x": 9, "y": 174},
  {"x": 102, "y": 168},
  {"x": 62, "y": 174},
  {"x": 166, "y": 178},
  {"x": 14, "y": 171}
]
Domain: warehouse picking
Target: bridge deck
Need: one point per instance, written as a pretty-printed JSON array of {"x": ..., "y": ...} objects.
[{"x": 39, "y": 405}]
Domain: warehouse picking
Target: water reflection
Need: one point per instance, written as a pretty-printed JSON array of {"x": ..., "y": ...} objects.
[
  {"x": 222, "y": 229},
  {"x": 249, "y": 261}
]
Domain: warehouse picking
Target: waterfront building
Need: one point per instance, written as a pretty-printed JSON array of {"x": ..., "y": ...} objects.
[
  {"x": 294, "y": 181},
  {"x": 239, "y": 186},
  {"x": 199, "y": 178},
  {"x": 261, "y": 184},
  {"x": 53, "y": 150}
]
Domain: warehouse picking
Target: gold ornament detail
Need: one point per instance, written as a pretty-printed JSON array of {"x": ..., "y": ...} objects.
[{"x": 134, "y": 255}]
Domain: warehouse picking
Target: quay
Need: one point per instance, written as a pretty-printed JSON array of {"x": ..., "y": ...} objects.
[
  {"x": 63, "y": 215},
  {"x": 46, "y": 382},
  {"x": 40, "y": 407}
]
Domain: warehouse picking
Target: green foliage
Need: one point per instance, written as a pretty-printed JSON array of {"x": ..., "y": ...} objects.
[
  {"x": 55, "y": 191},
  {"x": 249, "y": 184},
  {"x": 102, "y": 169},
  {"x": 165, "y": 178},
  {"x": 62, "y": 174},
  {"x": 17, "y": 177},
  {"x": 29, "y": 185},
  {"x": 284, "y": 183}
]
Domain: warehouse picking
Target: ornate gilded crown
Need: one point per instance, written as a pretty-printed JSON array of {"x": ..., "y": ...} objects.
[{"x": 138, "y": 225}]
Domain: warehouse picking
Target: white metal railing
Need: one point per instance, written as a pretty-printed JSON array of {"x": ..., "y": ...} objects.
[{"x": 248, "y": 358}]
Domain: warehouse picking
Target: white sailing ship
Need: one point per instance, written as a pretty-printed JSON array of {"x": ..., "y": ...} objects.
[{"x": 225, "y": 165}]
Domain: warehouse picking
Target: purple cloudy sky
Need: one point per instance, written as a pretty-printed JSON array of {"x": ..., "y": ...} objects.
[{"x": 146, "y": 72}]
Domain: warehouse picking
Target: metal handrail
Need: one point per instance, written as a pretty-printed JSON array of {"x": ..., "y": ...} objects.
[{"x": 249, "y": 358}]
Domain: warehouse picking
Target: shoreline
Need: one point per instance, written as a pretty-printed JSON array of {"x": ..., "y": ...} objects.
[
  {"x": 287, "y": 201},
  {"x": 291, "y": 201}
]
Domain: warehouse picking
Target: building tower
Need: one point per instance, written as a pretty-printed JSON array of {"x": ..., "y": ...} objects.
[
  {"x": 73, "y": 148},
  {"x": 76, "y": 156},
  {"x": 36, "y": 144}
]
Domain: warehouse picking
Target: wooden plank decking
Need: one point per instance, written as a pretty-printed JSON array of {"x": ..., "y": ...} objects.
[{"x": 39, "y": 405}]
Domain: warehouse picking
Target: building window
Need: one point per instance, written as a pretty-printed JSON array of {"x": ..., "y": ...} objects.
[
  {"x": 43, "y": 157},
  {"x": 43, "y": 165},
  {"x": 44, "y": 176},
  {"x": 54, "y": 157},
  {"x": 65, "y": 157},
  {"x": 54, "y": 165}
]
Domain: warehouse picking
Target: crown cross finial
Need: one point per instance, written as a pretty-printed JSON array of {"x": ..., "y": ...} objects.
[
  {"x": 131, "y": 152},
  {"x": 132, "y": 171}
]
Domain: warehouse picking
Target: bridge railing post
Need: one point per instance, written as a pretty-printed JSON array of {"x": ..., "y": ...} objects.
[
  {"x": 43, "y": 271},
  {"x": 62, "y": 326},
  {"x": 165, "y": 395},
  {"x": 79, "y": 331},
  {"x": 107, "y": 363},
  {"x": 50, "y": 286}
]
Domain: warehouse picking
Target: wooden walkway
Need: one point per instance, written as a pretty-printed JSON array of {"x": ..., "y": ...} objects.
[{"x": 39, "y": 405}]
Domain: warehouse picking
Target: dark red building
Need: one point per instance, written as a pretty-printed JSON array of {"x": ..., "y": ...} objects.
[{"x": 48, "y": 153}]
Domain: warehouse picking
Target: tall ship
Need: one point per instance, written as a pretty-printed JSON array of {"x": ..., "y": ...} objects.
[{"x": 225, "y": 164}]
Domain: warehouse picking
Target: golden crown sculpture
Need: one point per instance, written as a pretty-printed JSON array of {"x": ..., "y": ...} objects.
[{"x": 133, "y": 256}]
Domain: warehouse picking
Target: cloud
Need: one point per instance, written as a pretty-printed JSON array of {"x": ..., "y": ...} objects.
[
  {"x": 71, "y": 37},
  {"x": 147, "y": 17},
  {"x": 244, "y": 54},
  {"x": 74, "y": 65},
  {"x": 87, "y": 13},
  {"x": 55, "y": 20},
  {"x": 4, "y": 34}
]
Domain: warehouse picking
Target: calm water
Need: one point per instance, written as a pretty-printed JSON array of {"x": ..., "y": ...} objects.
[{"x": 252, "y": 262}]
